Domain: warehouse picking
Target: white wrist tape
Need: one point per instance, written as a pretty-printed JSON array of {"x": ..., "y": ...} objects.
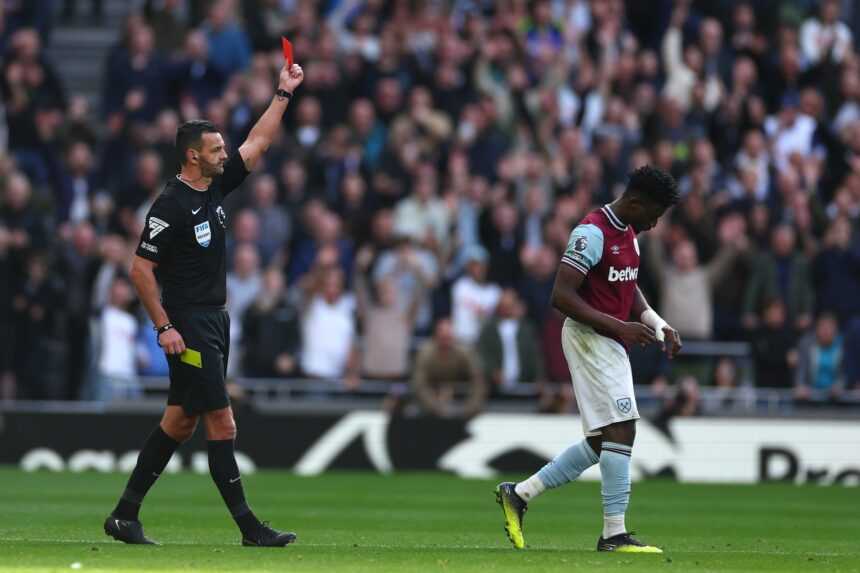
[{"x": 655, "y": 321}]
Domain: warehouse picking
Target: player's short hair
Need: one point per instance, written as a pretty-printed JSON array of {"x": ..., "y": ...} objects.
[
  {"x": 655, "y": 185},
  {"x": 189, "y": 135}
]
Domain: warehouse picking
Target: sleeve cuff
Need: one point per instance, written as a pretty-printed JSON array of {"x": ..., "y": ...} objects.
[{"x": 574, "y": 264}]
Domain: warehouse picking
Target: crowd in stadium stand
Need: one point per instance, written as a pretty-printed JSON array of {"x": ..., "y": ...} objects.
[{"x": 408, "y": 222}]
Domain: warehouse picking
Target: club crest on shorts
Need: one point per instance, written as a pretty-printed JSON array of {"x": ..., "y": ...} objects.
[
  {"x": 203, "y": 234},
  {"x": 624, "y": 404}
]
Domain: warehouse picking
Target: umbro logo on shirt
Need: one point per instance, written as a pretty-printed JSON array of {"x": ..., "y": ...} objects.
[{"x": 156, "y": 226}]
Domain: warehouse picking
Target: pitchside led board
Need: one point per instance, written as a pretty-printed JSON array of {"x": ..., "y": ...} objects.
[{"x": 692, "y": 450}]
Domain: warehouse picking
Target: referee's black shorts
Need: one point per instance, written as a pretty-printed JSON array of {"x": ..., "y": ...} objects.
[{"x": 202, "y": 388}]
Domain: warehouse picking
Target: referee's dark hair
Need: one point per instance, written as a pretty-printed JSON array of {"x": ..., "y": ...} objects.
[
  {"x": 655, "y": 185},
  {"x": 189, "y": 134}
]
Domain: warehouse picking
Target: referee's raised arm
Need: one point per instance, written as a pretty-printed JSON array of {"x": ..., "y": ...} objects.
[{"x": 264, "y": 130}]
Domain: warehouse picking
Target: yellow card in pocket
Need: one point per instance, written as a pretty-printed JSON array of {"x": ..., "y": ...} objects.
[{"x": 192, "y": 357}]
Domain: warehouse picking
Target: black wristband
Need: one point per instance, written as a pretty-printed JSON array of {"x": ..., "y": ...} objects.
[
  {"x": 284, "y": 93},
  {"x": 162, "y": 329}
]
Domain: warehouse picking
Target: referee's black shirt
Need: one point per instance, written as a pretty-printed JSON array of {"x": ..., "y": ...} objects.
[{"x": 185, "y": 234}]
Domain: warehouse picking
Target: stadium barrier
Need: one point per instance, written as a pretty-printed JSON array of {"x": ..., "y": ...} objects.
[{"x": 729, "y": 450}]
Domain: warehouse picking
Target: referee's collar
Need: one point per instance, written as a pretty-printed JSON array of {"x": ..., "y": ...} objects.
[
  {"x": 613, "y": 218},
  {"x": 187, "y": 184}
]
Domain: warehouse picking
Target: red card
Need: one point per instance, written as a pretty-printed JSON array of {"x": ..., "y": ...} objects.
[{"x": 288, "y": 51}]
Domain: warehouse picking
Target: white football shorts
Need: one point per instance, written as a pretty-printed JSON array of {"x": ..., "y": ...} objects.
[{"x": 601, "y": 376}]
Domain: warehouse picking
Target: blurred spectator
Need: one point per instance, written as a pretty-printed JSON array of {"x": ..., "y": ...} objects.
[
  {"x": 773, "y": 347},
  {"x": 243, "y": 285},
  {"x": 271, "y": 331},
  {"x": 229, "y": 47},
  {"x": 503, "y": 238},
  {"x": 136, "y": 80},
  {"x": 538, "y": 279},
  {"x": 328, "y": 327},
  {"x": 387, "y": 323},
  {"x": 168, "y": 19},
  {"x": 851, "y": 358},
  {"x": 473, "y": 299},
  {"x": 274, "y": 221},
  {"x": 825, "y": 37},
  {"x": 117, "y": 352},
  {"x": 325, "y": 233},
  {"x": 78, "y": 264},
  {"x": 819, "y": 361},
  {"x": 34, "y": 98},
  {"x": 685, "y": 67},
  {"x": 134, "y": 201},
  {"x": 782, "y": 273},
  {"x": 836, "y": 272},
  {"x": 413, "y": 269},
  {"x": 195, "y": 79},
  {"x": 77, "y": 184},
  {"x": 27, "y": 229},
  {"x": 753, "y": 169},
  {"x": 440, "y": 367},
  {"x": 115, "y": 260},
  {"x": 508, "y": 345},
  {"x": 266, "y": 20},
  {"x": 37, "y": 306},
  {"x": 686, "y": 287},
  {"x": 422, "y": 216}
]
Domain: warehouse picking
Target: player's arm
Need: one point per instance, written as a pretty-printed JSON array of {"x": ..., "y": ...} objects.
[
  {"x": 665, "y": 334},
  {"x": 264, "y": 131},
  {"x": 583, "y": 253},
  {"x": 146, "y": 285},
  {"x": 566, "y": 298}
]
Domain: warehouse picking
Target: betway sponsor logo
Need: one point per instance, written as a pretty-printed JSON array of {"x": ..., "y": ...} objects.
[{"x": 623, "y": 275}]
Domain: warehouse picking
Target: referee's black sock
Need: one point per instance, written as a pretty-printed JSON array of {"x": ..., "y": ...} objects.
[
  {"x": 156, "y": 452},
  {"x": 225, "y": 474}
]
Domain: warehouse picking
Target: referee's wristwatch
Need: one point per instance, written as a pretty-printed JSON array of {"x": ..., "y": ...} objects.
[{"x": 283, "y": 94}]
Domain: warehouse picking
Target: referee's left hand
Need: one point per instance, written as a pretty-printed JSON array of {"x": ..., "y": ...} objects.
[{"x": 171, "y": 341}]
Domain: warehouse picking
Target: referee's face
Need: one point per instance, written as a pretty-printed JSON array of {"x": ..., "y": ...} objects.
[{"x": 213, "y": 154}]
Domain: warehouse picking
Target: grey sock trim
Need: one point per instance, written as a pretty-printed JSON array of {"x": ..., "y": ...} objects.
[
  {"x": 240, "y": 510},
  {"x": 132, "y": 496}
]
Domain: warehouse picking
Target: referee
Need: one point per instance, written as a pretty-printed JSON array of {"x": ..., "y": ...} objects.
[{"x": 182, "y": 248}]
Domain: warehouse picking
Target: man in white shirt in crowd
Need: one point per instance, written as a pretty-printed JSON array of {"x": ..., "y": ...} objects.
[
  {"x": 825, "y": 37},
  {"x": 117, "y": 349},
  {"x": 328, "y": 329},
  {"x": 473, "y": 299}
]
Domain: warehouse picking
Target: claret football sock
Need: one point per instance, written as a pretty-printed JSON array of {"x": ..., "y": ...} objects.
[
  {"x": 615, "y": 486},
  {"x": 225, "y": 474},
  {"x": 151, "y": 461},
  {"x": 566, "y": 467}
]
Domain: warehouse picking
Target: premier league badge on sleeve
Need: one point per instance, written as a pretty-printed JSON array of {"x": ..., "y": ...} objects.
[
  {"x": 203, "y": 233},
  {"x": 222, "y": 216}
]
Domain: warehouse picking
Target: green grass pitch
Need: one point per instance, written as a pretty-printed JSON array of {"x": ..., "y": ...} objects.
[{"x": 423, "y": 522}]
